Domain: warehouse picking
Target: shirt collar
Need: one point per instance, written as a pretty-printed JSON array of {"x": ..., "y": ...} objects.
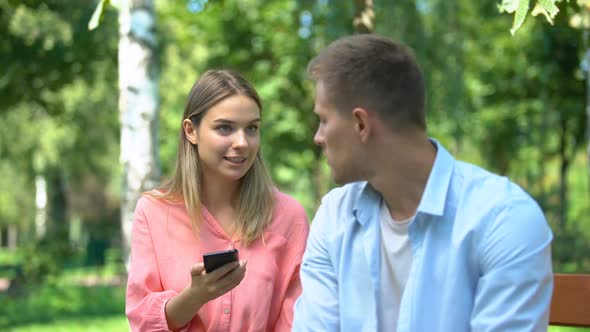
[
  {"x": 437, "y": 188},
  {"x": 434, "y": 196}
]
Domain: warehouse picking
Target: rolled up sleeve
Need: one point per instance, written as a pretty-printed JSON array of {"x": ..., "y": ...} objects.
[{"x": 145, "y": 299}]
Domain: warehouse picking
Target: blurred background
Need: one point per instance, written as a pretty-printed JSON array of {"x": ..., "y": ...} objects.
[{"x": 90, "y": 118}]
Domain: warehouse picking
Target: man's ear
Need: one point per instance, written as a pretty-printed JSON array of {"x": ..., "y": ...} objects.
[
  {"x": 190, "y": 131},
  {"x": 362, "y": 123}
]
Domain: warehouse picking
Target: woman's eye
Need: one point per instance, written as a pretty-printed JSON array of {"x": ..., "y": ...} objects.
[
  {"x": 252, "y": 129},
  {"x": 224, "y": 129}
]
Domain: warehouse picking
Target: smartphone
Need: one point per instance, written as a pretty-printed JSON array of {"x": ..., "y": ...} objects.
[{"x": 216, "y": 259}]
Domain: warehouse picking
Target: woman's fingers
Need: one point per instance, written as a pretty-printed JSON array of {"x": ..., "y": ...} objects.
[
  {"x": 197, "y": 269},
  {"x": 230, "y": 280},
  {"x": 209, "y": 286},
  {"x": 221, "y": 271}
]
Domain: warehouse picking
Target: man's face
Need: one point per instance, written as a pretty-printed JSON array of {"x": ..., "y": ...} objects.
[{"x": 337, "y": 137}]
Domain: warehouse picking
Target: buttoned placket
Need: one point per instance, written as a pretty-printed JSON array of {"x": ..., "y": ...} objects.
[
  {"x": 226, "y": 311},
  {"x": 226, "y": 299},
  {"x": 226, "y": 302}
]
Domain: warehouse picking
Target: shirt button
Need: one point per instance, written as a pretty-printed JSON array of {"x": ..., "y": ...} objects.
[{"x": 226, "y": 311}]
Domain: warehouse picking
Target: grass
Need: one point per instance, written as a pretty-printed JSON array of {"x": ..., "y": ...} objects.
[
  {"x": 8, "y": 260},
  {"x": 62, "y": 304},
  {"x": 8, "y": 257},
  {"x": 86, "y": 324},
  {"x": 56, "y": 302}
]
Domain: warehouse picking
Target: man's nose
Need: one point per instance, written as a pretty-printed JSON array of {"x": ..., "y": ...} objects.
[{"x": 318, "y": 138}]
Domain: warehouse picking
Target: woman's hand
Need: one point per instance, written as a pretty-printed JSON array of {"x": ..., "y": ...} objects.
[
  {"x": 208, "y": 286},
  {"x": 204, "y": 287}
]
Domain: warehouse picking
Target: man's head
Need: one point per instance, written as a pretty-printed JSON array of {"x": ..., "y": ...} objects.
[{"x": 363, "y": 80}]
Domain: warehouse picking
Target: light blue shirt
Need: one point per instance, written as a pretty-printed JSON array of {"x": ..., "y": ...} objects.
[{"x": 481, "y": 258}]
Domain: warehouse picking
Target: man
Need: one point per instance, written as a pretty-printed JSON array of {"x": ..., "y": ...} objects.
[{"x": 414, "y": 240}]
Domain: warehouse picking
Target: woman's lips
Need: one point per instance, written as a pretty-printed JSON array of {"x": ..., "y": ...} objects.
[{"x": 235, "y": 160}]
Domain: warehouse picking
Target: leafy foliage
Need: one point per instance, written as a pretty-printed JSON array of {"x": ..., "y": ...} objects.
[
  {"x": 513, "y": 104},
  {"x": 520, "y": 8}
]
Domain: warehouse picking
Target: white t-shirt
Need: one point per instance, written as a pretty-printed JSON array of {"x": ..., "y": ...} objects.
[{"x": 396, "y": 261}]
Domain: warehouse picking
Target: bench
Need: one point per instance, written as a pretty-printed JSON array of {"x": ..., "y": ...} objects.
[{"x": 570, "y": 304}]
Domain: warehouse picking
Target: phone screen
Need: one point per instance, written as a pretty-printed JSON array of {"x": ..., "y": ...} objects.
[{"x": 214, "y": 260}]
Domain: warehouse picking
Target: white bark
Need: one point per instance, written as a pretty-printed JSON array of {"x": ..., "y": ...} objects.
[
  {"x": 138, "y": 106},
  {"x": 12, "y": 240},
  {"x": 41, "y": 206}
]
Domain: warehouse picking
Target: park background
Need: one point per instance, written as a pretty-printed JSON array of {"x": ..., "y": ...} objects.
[{"x": 74, "y": 157}]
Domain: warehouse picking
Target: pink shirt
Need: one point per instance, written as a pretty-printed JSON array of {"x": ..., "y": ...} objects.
[{"x": 164, "y": 248}]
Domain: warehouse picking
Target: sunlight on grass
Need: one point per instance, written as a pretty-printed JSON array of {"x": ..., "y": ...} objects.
[
  {"x": 568, "y": 329},
  {"x": 94, "y": 324},
  {"x": 64, "y": 304}
]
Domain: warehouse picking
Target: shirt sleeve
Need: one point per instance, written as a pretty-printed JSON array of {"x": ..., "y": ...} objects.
[
  {"x": 317, "y": 307},
  {"x": 514, "y": 290},
  {"x": 145, "y": 298},
  {"x": 293, "y": 292}
]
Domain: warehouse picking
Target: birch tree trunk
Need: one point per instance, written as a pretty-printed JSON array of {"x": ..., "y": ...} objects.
[
  {"x": 138, "y": 107},
  {"x": 12, "y": 239},
  {"x": 41, "y": 206},
  {"x": 364, "y": 17}
]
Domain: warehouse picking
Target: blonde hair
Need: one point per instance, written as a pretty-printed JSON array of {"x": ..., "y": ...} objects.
[{"x": 256, "y": 195}]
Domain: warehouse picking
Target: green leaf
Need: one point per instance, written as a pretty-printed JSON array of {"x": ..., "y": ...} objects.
[
  {"x": 98, "y": 14},
  {"x": 547, "y": 8},
  {"x": 509, "y": 6},
  {"x": 521, "y": 7},
  {"x": 520, "y": 15}
]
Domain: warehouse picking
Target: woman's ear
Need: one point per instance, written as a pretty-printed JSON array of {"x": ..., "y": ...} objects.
[{"x": 190, "y": 131}]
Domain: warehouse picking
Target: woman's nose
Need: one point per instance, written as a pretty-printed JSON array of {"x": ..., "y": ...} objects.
[{"x": 240, "y": 140}]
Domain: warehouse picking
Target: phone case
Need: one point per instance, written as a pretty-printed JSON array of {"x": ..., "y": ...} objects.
[{"x": 214, "y": 260}]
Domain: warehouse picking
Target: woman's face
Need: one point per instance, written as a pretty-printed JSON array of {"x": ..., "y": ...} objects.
[{"x": 227, "y": 138}]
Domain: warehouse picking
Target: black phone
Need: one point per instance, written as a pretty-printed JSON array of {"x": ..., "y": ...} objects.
[{"x": 216, "y": 259}]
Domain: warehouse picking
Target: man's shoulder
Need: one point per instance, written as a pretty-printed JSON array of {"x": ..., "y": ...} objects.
[
  {"x": 475, "y": 184},
  {"x": 339, "y": 204},
  {"x": 345, "y": 196},
  {"x": 475, "y": 177},
  {"x": 490, "y": 207}
]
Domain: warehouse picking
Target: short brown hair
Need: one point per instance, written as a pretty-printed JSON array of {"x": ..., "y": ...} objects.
[{"x": 376, "y": 73}]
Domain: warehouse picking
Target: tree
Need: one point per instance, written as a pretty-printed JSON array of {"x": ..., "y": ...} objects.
[
  {"x": 53, "y": 113},
  {"x": 138, "y": 104},
  {"x": 520, "y": 8},
  {"x": 364, "y": 17},
  {"x": 579, "y": 19}
]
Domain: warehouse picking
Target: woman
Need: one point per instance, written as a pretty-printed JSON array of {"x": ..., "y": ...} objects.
[{"x": 221, "y": 197}]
